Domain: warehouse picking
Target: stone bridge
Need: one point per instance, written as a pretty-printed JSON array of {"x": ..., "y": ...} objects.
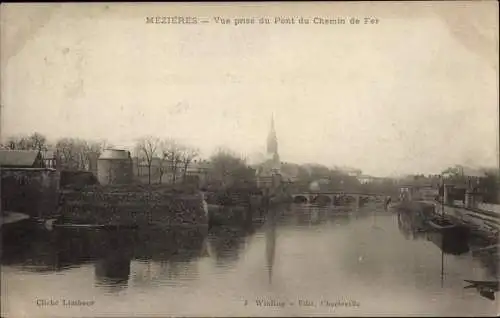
[{"x": 336, "y": 198}]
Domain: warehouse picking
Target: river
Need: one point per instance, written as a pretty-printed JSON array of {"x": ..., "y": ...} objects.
[{"x": 302, "y": 261}]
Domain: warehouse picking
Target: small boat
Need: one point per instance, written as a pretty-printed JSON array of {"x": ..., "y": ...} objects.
[
  {"x": 14, "y": 225},
  {"x": 69, "y": 225},
  {"x": 92, "y": 226},
  {"x": 450, "y": 236},
  {"x": 493, "y": 285},
  {"x": 486, "y": 289},
  {"x": 488, "y": 249}
]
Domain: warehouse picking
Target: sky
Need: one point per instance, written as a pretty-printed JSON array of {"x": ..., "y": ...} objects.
[{"x": 415, "y": 93}]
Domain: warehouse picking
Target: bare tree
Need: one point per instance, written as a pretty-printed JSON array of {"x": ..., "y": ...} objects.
[
  {"x": 172, "y": 152},
  {"x": 67, "y": 153},
  {"x": 187, "y": 156},
  {"x": 137, "y": 153},
  {"x": 38, "y": 141},
  {"x": 92, "y": 150},
  {"x": 16, "y": 143},
  {"x": 163, "y": 166},
  {"x": 72, "y": 153},
  {"x": 147, "y": 148},
  {"x": 35, "y": 141}
]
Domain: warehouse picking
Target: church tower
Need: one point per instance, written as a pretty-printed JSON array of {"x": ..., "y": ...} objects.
[{"x": 272, "y": 147}]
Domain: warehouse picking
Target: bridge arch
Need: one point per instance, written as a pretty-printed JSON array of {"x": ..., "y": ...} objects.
[
  {"x": 344, "y": 199},
  {"x": 300, "y": 199},
  {"x": 322, "y": 199}
]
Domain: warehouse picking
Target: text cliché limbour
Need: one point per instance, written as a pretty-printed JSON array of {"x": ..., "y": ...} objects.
[{"x": 64, "y": 302}]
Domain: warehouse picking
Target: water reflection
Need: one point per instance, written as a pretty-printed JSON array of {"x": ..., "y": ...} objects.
[
  {"x": 184, "y": 271},
  {"x": 111, "y": 252},
  {"x": 487, "y": 254},
  {"x": 270, "y": 242},
  {"x": 113, "y": 271},
  {"x": 414, "y": 226},
  {"x": 452, "y": 241},
  {"x": 45, "y": 251},
  {"x": 313, "y": 215},
  {"x": 114, "y": 252},
  {"x": 162, "y": 244},
  {"x": 411, "y": 225},
  {"x": 226, "y": 243}
]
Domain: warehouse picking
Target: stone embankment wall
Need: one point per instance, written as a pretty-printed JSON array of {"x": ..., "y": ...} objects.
[
  {"x": 480, "y": 225},
  {"x": 31, "y": 191},
  {"x": 134, "y": 206},
  {"x": 489, "y": 207},
  {"x": 478, "y": 221},
  {"x": 415, "y": 206}
]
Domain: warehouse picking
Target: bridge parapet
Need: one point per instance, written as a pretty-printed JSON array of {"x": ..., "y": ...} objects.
[{"x": 333, "y": 197}]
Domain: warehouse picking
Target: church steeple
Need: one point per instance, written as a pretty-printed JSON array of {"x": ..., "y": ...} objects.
[
  {"x": 272, "y": 147},
  {"x": 272, "y": 140}
]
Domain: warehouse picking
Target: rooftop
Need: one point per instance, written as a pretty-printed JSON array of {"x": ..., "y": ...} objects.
[{"x": 18, "y": 158}]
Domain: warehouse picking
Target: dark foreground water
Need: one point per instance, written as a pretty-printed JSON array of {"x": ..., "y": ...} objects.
[{"x": 303, "y": 261}]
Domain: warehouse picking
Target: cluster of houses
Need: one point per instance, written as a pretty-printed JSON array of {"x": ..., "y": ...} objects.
[{"x": 459, "y": 185}]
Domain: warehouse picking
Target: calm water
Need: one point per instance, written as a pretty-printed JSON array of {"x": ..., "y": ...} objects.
[{"x": 303, "y": 260}]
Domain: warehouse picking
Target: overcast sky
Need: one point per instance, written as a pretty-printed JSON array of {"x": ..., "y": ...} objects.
[{"x": 414, "y": 93}]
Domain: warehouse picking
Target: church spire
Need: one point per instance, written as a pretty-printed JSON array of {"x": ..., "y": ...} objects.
[
  {"x": 272, "y": 124},
  {"x": 272, "y": 140}
]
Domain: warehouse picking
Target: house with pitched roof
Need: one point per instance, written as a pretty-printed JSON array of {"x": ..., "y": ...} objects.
[{"x": 21, "y": 159}]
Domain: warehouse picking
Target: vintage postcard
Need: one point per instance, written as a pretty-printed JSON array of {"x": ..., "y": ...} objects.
[{"x": 249, "y": 159}]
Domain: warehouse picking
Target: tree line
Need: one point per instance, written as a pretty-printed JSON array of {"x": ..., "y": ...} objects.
[
  {"x": 70, "y": 153},
  {"x": 173, "y": 157}
]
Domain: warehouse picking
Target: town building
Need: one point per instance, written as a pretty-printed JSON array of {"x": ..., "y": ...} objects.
[
  {"x": 197, "y": 170},
  {"x": 365, "y": 179},
  {"x": 351, "y": 172}
]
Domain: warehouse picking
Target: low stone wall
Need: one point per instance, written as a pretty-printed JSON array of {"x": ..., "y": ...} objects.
[
  {"x": 29, "y": 190},
  {"x": 132, "y": 207}
]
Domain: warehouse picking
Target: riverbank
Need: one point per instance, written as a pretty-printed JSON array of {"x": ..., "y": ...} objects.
[
  {"x": 486, "y": 228},
  {"x": 481, "y": 228},
  {"x": 135, "y": 205}
]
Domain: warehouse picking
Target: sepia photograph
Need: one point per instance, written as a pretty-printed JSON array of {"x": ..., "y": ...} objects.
[{"x": 249, "y": 159}]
